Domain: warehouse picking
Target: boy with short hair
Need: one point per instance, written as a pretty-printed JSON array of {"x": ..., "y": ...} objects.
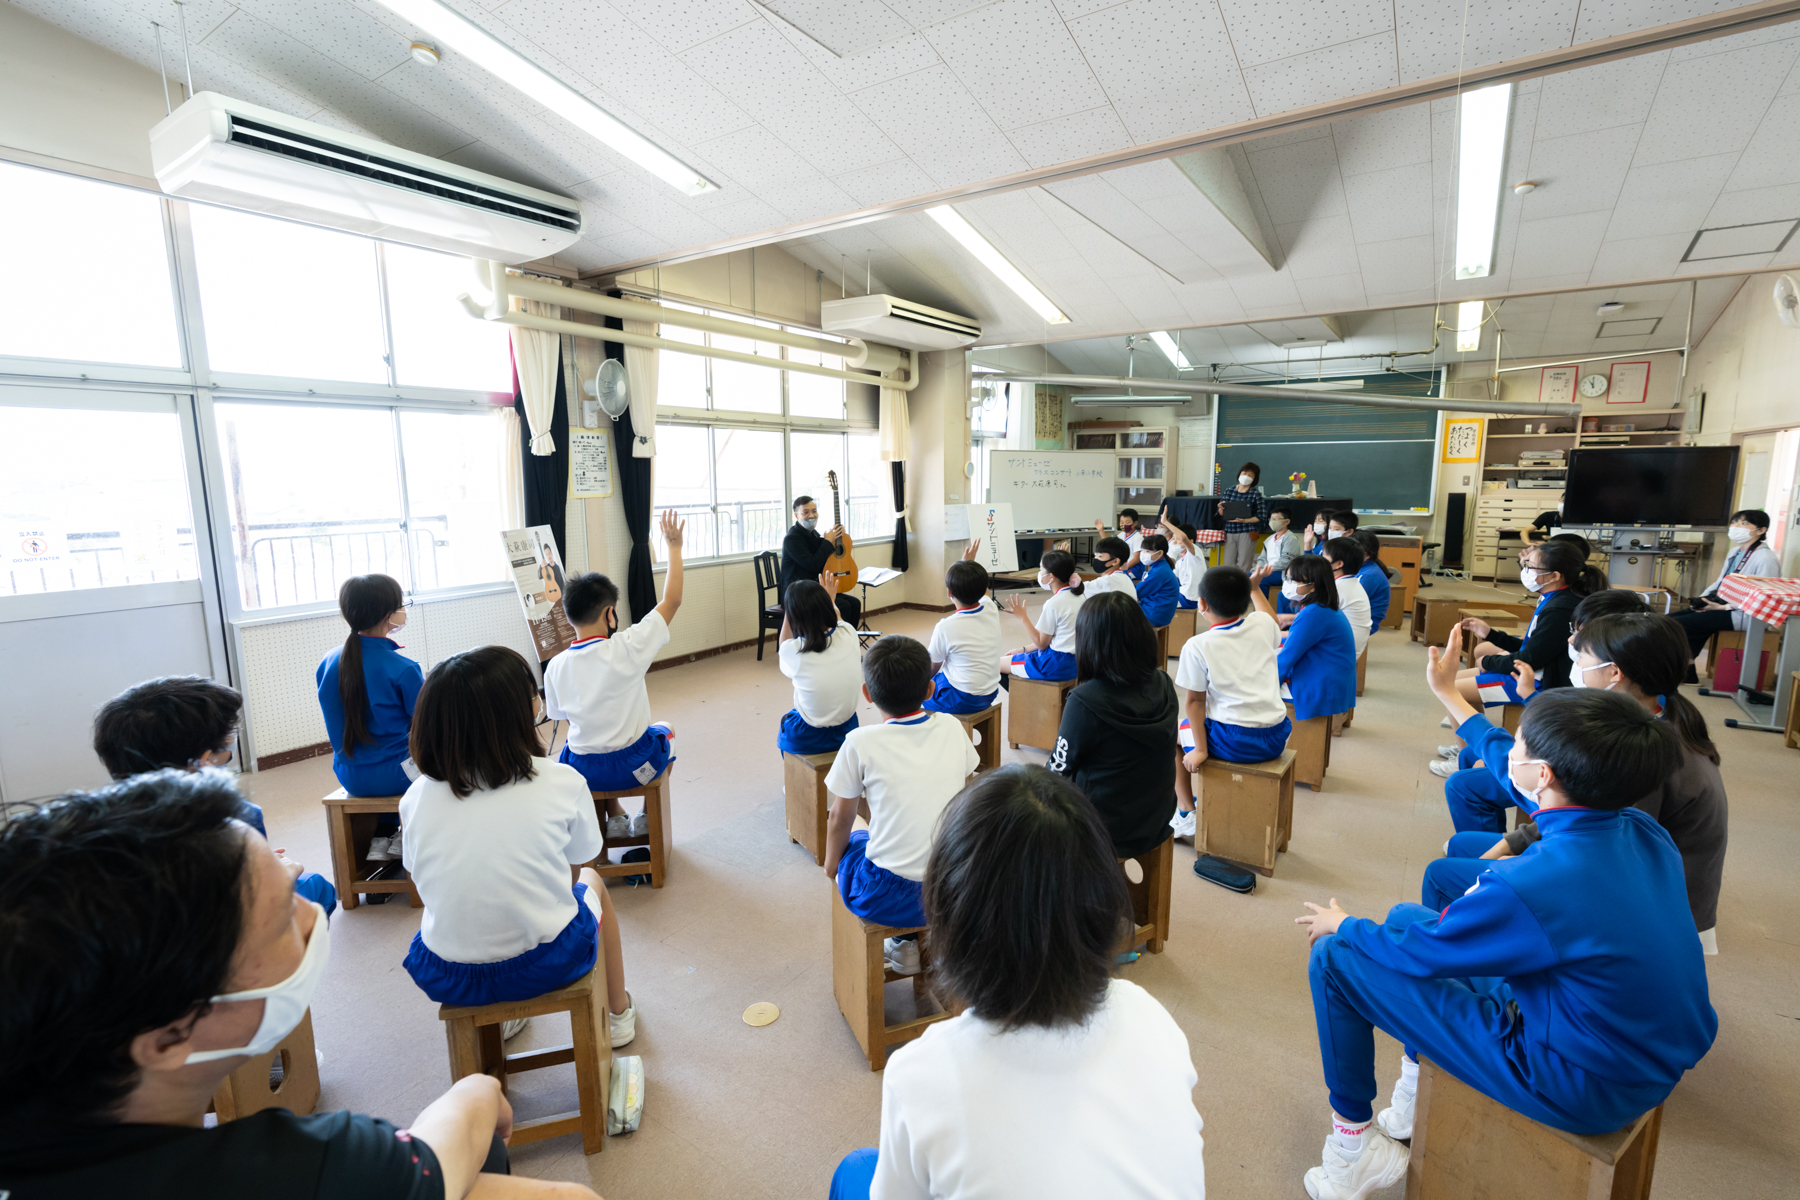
[
  {"x": 1346, "y": 559},
  {"x": 1231, "y": 687},
  {"x": 1565, "y": 984},
  {"x": 904, "y": 771},
  {"x": 1154, "y": 579},
  {"x": 1110, "y": 558},
  {"x": 1186, "y": 558},
  {"x": 965, "y": 646},
  {"x": 597, "y": 686}
]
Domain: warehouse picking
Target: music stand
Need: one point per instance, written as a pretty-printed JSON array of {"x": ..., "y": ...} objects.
[{"x": 866, "y": 578}]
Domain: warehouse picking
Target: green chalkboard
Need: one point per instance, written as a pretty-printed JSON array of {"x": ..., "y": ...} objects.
[{"x": 1381, "y": 458}]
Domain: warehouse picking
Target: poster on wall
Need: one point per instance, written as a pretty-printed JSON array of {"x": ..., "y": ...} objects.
[
  {"x": 1462, "y": 441},
  {"x": 1048, "y": 428},
  {"x": 538, "y": 577},
  {"x": 1630, "y": 383},
  {"x": 35, "y": 545},
  {"x": 1556, "y": 385},
  {"x": 590, "y": 463}
]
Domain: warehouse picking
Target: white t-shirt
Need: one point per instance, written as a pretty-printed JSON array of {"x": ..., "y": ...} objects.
[
  {"x": 967, "y": 642},
  {"x": 1100, "y": 1109},
  {"x": 1353, "y": 602},
  {"x": 909, "y": 769},
  {"x": 1115, "y": 581},
  {"x": 1056, "y": 619},
  {"x": 597, "y": 686},
  {"x": 1134, "y": 541},
  {"x": 1188, "y": 570},
  {"x": 828, "y": 682},
  {"x": 1234, "y": 664},
  {"x": 493, "y": 867}
]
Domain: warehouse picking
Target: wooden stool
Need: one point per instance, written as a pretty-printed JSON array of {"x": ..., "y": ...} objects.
[
  {"x": 1310, "y": 741},
  {"x": 1509, "y": 716},
  {"x": 350, "y": 822},
  {"x": 1362, "y": 668},
  {"x": 1465, "y": 1144},
  {"x": 988, "y": 748},
  {"x": 1150, "y": 896},
  {"x": 248, "y": 1090},
  {"x": 803, "y": 781},
  {"x": 1246, "y": 810},
  {"x": 1341, "y": 721},
  {"x": 1035, "y": 713},
  {"x": 475, "y": 1048},
  {"x": 859, "y": 976},
  {"x": 1399, "y": 608},
  {"x": 656, "y": 806},
  {"x": 1181, "y": 628},
  {"x": 1162, "y": 642},
  {"x": 1432, "y": 617},
  {"x": 1793, "y": 720}
]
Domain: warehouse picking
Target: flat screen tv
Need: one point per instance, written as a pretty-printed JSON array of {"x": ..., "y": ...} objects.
[{"x": 1650, "y": 485}]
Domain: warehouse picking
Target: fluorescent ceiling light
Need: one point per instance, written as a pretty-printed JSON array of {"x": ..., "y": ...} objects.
[
  {"x": 1130, "y": 401},
  {"x": 993, "y": 260},
  {"x": 1171, "y": 351},
  {"x": 1480, "y": 154},
  {"x": 1468, "y": 324},
  {"x": 456, "y": 32}
]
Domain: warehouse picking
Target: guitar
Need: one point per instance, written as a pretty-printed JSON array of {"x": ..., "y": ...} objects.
[{"x": 842, "y": 567}]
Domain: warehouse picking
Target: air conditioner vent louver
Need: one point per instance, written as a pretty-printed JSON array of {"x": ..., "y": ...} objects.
[{"x": 898, "y": 322}]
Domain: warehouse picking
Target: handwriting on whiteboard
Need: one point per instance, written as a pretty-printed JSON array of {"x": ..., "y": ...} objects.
[{"x": 1042, "y": 473}]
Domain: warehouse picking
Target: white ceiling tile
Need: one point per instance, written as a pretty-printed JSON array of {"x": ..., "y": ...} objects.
[
  {"x": 1607, "y": 18},
  {"x": 1408, "y": 296},
  {"x": 679, "y": 25},
  {"x": 1070, "y": 9},
  {"x": 1018, "y": 61},
  {"x": 335, "y": 28},
  {"x": 1393, "y": 138},
  {"x": 1291, "y": 137},
  {"x": 1747, "y": 263},
  {"x": 1439, "y": 39},
  {"x": 921, "y": 13},
  {"x": 1398, "y": 266},
  {"x": 1738, "y": 88},
  {"x": 846, "y": 26},
  {"x": 1265, "y": 30},
  {"x": 1322, "y": 248},
  {"x": 1579, "y": 173},
  {"x": 765, "y": 166},
  {"x": 1330, "y": 293},
  {"x": 1391, "y": 204},
  {"x": 876, "y": 65},
  {"x": 1736, "y": 41},
  {"x": 1349, "y": 69},
  {"x": 650, "y": 205},
  {"x": 1640, "y": 258},
  {"x": 1773, "y": 155},
  {"x": 885, "y": 181},
  {"x": 938, "y": 124},
  {"x": 1599, "y": 97},
  {"x": 1669, "y": 197},
  {"x": 748, "y": 215},
  {"x": 1758, "y": 204},
  {"x": 1298, "y": 181},
  {"x": 1558, "y": 246},
  {"x": 1074, "y": 136}
]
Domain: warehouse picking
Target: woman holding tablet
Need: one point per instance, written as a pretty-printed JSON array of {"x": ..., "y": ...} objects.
[
  {"x": 1750, "y": 556},
  {"x": 1246, "y": 513}
]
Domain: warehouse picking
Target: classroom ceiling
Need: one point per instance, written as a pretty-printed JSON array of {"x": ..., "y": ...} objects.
[{"x": 803, "y": 109}]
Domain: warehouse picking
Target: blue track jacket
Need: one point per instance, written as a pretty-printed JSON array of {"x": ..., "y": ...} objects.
[{"x": 1318, "y": 662}]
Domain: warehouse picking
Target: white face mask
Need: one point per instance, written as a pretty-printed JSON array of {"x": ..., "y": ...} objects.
[
  {"x": 1246, "y": 479},
  {"x": 1278, "y": 523},
  {"x": 284, "y": 1003},
  {"x": 808, "y": 522},
  {"x": 1578, "y": 677},
  {"x": 1150, "y": 556},
  {"x": 1177, "y": 550},
  {"x": 1574, "y": 654},
  {"x": 1739, "y": 534},
  {"x": 1318, "y": 529},
  {"x": 1530, "y": 794},
  {"x": 1290, "y": 589},
  {"x": 1046, "y": 581},
  {"x": 1528, "y": 578}
]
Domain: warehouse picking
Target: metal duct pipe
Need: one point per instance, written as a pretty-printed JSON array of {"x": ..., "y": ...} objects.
[
  {"x": 1539, "y": 364},
  {"x": 1365, "y": 399},
  {"x": 602, "y": 334}
]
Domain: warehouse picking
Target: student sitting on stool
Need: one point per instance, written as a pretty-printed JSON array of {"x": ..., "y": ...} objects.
[
  {"x": 1233, "y": 700},
  {"x": 1110, "y": 558},
  {"x": 1557, "y": 570},
  {"x": 1565, "y": 984},
  {"x": 1374, "y": 578},
  {"x": 965, "y": 646},
  {"x": 1154, "y": 580},
  {"x": 1317, "y": 660},
  {"x": 1131, "y": 534},
  {"x": 1279, "y": 549},
  {"x": 1188, "y": 561},
  {"x": 818, "y": 651},
  {"x": 906, "y": 770},
  {"x": 1346, "y": 559},
  {"x": 597, "y": 686},
  {"x": 1051, "y": 654}
]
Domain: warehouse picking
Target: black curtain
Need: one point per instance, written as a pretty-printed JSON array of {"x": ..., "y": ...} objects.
[
  {"x": 547, "y": 475},
  {"x": 901, "y": 559},
  {"x": 634, "y": 486}
]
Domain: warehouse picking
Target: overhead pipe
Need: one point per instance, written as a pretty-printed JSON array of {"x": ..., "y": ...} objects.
[
  {"x": 1363, "y": 399},
  {"x": 1538, "y": 364}
]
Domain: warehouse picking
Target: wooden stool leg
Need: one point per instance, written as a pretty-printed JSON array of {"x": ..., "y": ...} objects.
[
  {"x": 492, "y": 1048},
  {"x": 1163, "y": 860},
  {"x": 875, "y": 961},
  {"x": 656, "y": 806},
  {"x": 465, "y": 1048},
  {"x": 592, "y": 1038},
  {"x": 343, "y": 858}
]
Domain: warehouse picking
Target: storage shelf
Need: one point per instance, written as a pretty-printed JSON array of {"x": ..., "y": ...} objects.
[
  {"x": 1516, "y": 467},
  {"x": 1638, "y": 433},
  {"x": 1529, "y": 435}
]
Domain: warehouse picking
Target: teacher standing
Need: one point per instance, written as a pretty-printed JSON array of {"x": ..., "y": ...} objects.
[
  {"x": 1240, "y": 536},
  {"x": 804, "y": 551}
]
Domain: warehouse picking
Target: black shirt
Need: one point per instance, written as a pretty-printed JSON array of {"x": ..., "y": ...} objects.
[
  {"x": 1118, "y": 745},
  {"x": 1546, "y": 649},
  {"x": 803, "y": 555},
  {"x": 270, "y": 1155}
]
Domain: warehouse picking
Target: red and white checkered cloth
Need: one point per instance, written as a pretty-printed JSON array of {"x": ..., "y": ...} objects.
[
  {"x": 1769, "y": 600},
  {"x": 1208, "y": 537}
]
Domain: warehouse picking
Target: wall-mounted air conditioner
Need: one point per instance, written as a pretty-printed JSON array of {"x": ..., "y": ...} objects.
[
  {"x": 228, "y": 152},
  {"x": 898, "y": 322}
]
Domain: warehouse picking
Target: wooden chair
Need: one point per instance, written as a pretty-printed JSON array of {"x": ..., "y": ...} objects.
[
  {"x": 1246, "y": 810},
  {"x": 476, "y": 1048},
  {"x": 768, "y": 579},
  {"x": 1162, "y": 642},
  {"x": 350, "y": 824},
  {"x": 1181, "y": 628},
  {"x": 251, "y": 1088},
  {"x": 987, "y": 722},
  {"x": 859, "y": 979},
  {"x": 803, "y": 782},
  {"x": 1035, "y": 713},
  {"x": 1465, "y": 1144},
  {"x": 1310, "y": 740},
  {"x": 1362, "y": 669},
  {"x": 1150, "y": 895},
  {"x": 656, "y": 807}
]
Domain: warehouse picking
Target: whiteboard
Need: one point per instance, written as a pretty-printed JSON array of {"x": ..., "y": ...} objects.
[{"x": 1053, "y": 489}]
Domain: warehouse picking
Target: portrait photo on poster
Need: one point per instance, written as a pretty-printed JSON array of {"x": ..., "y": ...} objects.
[{"x": 538, "y": 577}]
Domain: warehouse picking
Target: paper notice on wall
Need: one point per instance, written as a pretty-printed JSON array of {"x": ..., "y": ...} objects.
[
  {"x": 590, "y": 463},
  {"x": 992, "y": 526},
  {"x": 956, "y": 523},
  {"x": 1194, "y": 431},
  {"x": 35, "y": 545},
  {"x": 538, "y": 576}
]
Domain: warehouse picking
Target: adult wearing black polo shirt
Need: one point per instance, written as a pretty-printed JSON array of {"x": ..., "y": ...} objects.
[
  {"x": 804, "y": 551},
  {"x": 123, "y": 1011}
]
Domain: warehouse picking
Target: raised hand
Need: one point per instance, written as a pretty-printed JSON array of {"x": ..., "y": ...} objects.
[{"x": 672, "y": 529}]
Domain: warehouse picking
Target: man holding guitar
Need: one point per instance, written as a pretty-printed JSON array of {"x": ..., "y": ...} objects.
[{"x": 805, "y": 552}]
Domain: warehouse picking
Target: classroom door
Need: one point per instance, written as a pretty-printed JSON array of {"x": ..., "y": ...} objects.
[{"x": 105, "y": 570}]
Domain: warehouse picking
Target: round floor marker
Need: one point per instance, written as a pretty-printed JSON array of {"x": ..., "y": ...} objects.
[{"x": 761, "y": 1013}]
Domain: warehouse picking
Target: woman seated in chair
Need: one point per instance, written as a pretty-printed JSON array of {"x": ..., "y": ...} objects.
[{"x": 1750, "y": 556}]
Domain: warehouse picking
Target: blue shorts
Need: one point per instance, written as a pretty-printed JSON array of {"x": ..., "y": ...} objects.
[
  {"x": 634, "y": 766},
  {"x": 876, "y": 893},
  {"x": 1184, "y": 602},
  {"x": 1239, "y": 743},
  {"x": 797, "y": 737},
  {"x": 946, "y": 699},
  {"x": 390, "y": 778},
  {"x": 1054, "y": 665},
  {"x": 545, "y": 967},
  {"x": 1496, "y": 689}
]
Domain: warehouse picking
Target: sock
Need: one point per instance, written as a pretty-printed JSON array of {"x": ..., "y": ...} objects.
[
  {"x": 1409, "y": 1074},
  {"x": 1349, "y": 1136}
]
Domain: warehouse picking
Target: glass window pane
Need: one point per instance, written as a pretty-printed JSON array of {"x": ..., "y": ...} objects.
[
  {"x": 62, "y": 235},
  {"x": 436, "y": 342},
  {"x": 681, "y": 479},
  {"x": 114, "y": 513},
  {"x": 744, "y": 387},
  {"x": 287, "y": 299},
  {"x": 815, "y": 395},
  {"x": 747, "y": 473},
  {"x": 453, "y": 497},
  {"x": 871, "y": 489},
  {"x": 813, "y": 455},
  {"x": 315, "y": 499}
]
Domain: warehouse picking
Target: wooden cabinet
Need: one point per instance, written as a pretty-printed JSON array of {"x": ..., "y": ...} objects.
[{"x": 1501, "y": 518}]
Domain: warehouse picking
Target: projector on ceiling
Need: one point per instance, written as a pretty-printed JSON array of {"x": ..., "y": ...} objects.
[{"x": 897, "y": 322}]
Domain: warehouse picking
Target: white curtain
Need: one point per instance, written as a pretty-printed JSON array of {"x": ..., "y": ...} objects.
[
  {"x": 534, "y": 354},
  {"x": 640, "y": 372},
  {"x": 512, "y": 471},
  {"x": 895, "y": 436}
]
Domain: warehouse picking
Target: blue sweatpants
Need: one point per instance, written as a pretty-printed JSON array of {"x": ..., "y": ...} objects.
[
  {"x": 1478, "y": 800},
  {"x": 855, "y": 1176},
  {"x": 1449, "y": 877},
  {"x": 876, "y": 893},
  {"x": 1469, "y": 1027}
]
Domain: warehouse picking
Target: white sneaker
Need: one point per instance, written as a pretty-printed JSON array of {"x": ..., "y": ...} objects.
[
  {"x": 623, "y": 1026},
  {"x": 1445, "y": 767},
  {"x": 640, "y": 825},
  {"x": 1381, "y": 1164},
  {"x": 1396, "y": 1120},
  {"x": 1183, "y": 824},
  {"x": 378, "y": 850},
  {"x": 1449, "y": 751},
  {"x": 512, "y": 1029},
  {"x": 1447, "y": 723},
  {"x": 618, "y": 827},
  {"x": 396, "y": 845},
  {"x": 902, "y": 957}
]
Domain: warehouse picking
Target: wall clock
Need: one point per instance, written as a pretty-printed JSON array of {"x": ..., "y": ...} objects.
[{"x": 1594, "y": 386}]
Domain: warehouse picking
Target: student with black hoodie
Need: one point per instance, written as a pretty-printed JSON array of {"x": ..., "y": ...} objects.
[{"x": 1118, "y": 735}]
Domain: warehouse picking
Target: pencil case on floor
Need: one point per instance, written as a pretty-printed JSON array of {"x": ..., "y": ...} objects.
[
  {"x": 625, "y": 1106},
  {"x": 1225, "y": 873}
]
